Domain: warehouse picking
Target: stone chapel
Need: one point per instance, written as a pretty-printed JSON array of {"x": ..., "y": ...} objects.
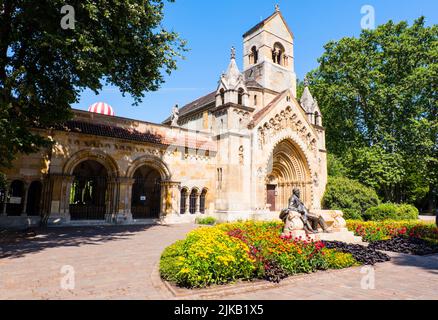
[{"x": 235, "y": 153}]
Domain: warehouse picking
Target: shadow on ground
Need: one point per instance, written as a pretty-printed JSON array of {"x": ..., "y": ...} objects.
[
  {"x": 425, "y": 262},
  {"x": 16, "y": 244}
]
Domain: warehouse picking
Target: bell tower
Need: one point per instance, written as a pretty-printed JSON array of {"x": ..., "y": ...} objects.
[{"x": 268, "y": 51}]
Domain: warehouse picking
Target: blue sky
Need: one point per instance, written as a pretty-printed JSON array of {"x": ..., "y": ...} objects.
[{"x": 212, "y": 27}]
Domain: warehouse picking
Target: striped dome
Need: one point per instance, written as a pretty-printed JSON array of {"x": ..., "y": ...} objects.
[{"x": 102, "y": 108}]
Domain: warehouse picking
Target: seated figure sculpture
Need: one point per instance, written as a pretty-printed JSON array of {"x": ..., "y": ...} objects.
[{"x": 311, "y": 221}]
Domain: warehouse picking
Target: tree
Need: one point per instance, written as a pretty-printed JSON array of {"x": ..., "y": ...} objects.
[
  {"x": 381, "y": 170},
  {"x": 379, "y": 91},
  {"x": 45, "y": 64}
]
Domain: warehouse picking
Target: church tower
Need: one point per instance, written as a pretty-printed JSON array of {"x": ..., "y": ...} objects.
[{"x": 268, "y": 50}]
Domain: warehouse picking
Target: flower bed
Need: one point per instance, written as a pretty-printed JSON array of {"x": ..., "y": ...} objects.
[
  {"x": 245, "y": 251},
  {"x": 384, "y": 230}
]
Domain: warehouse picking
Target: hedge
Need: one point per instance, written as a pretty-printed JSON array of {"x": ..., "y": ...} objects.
[
  {"x": 350, "y": 196},
  {"x": 390, "y": 211}
]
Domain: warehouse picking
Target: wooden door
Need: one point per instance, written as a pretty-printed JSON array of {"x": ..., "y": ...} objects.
[{"x": 270, "y": 189}]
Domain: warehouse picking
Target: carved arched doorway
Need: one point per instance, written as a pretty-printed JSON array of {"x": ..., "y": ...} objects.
[
  {"x": 288, "y": 170},
  {"x": 146, "y": 193}
]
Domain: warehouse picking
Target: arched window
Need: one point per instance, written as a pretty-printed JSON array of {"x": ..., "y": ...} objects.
[
  {"x": 255, "y": 100},
  {"x": 240, "y": 96},
  {"x": 222, "y": 96},
  {"x": 183, "y": 205},
  {"x": 317, "y": 118},
  {"x": 278, "y": 54},
  {"x": 254, "y": 55},
  {"x": 193, "y": 197},
  {"x": 202, "y": 201}
]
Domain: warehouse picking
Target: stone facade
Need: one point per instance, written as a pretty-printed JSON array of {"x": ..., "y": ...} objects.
[{"x": 236, "y": 153}]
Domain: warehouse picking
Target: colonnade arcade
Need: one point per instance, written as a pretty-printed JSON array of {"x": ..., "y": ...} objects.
[
  {"x": 92, "y": 188},
  {"x": 22, "y": 197}
]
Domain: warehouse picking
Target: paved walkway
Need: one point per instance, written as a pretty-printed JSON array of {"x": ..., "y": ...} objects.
[
  {"x": 121, "y": 263},
  {"x": 108, "y": 262}
]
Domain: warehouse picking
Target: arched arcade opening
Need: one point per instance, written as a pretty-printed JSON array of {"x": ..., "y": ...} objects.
[
  {"x": 89, "y": 191},
  {"x": 146, "y": 193}
]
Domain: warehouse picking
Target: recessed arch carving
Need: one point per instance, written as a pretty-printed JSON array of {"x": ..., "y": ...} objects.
[
  {"x": 104, "y": 159},
  {"x": 153, "y": 162}
]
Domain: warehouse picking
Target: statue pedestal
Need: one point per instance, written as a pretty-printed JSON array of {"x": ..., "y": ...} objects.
[{"x": 294, "y": 228}]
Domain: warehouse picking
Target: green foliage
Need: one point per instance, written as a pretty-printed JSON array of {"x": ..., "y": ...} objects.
[
  {"x": 338, "y": 260},
  {"x": 2, "y": 181},
  {"x": 335, "y": 167},
  {"x": 43, "y": 68},
  {"x": 300, "y": 89},
  {"x": 349, "y": 196},
  {"x": 390, "y": 211},
  {"x": 379, "y": 99},
  {"x": 206, "y": 221},
  {"x": 378, "y": 169},
  {"x": 169, "y": 262}
]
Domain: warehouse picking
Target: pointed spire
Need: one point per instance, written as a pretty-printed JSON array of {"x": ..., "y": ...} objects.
[
  {"x": 307, "y": 101},
  {"x": 306, "y": 81},
  {"x": 232, "y": 75}
]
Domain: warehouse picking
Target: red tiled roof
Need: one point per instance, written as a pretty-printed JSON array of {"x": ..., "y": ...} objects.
[
  {"x": 103, "y": 130},
  {"x": 187, "y": 140}
]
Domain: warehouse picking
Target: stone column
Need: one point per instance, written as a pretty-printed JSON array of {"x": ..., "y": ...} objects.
[
  {"x": 56, "y": 197},
  {"x": 24, "y": 201},
  {"x": 66, "y": 185},
  {"x": 187, "y": 207},
  {"x": 124, "y": 201},
  {"x": 198, "y": 202},
  {"x": 5, "y": 204},
  {"x": 170, "y": 199}
]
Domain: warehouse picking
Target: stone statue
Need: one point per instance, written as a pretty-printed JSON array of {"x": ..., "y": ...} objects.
[
  {"x": 310, "y": 221},
  {"x": 175, "y": 116}
]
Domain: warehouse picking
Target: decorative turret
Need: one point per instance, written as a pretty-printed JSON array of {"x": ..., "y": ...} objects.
[
  {"x": 232, "y": 87},
  {"x": 310, "y": 105}
]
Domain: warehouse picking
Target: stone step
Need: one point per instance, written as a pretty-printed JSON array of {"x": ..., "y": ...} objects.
[{"x": 344, "y": 236}]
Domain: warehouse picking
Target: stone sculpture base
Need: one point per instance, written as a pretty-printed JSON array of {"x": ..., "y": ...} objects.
[{"x": 294, "y": 228}]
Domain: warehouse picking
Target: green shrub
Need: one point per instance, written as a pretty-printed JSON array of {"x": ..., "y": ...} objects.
[
  {"x": 390, "y": 211},
  {"x": 206, "y": 221},
  {"x": 350, "y": 196},
  {"x": 169, "y": 262}
]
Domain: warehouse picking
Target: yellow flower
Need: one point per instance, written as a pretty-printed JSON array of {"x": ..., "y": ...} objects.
[{"x": 185, "y": 270}]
